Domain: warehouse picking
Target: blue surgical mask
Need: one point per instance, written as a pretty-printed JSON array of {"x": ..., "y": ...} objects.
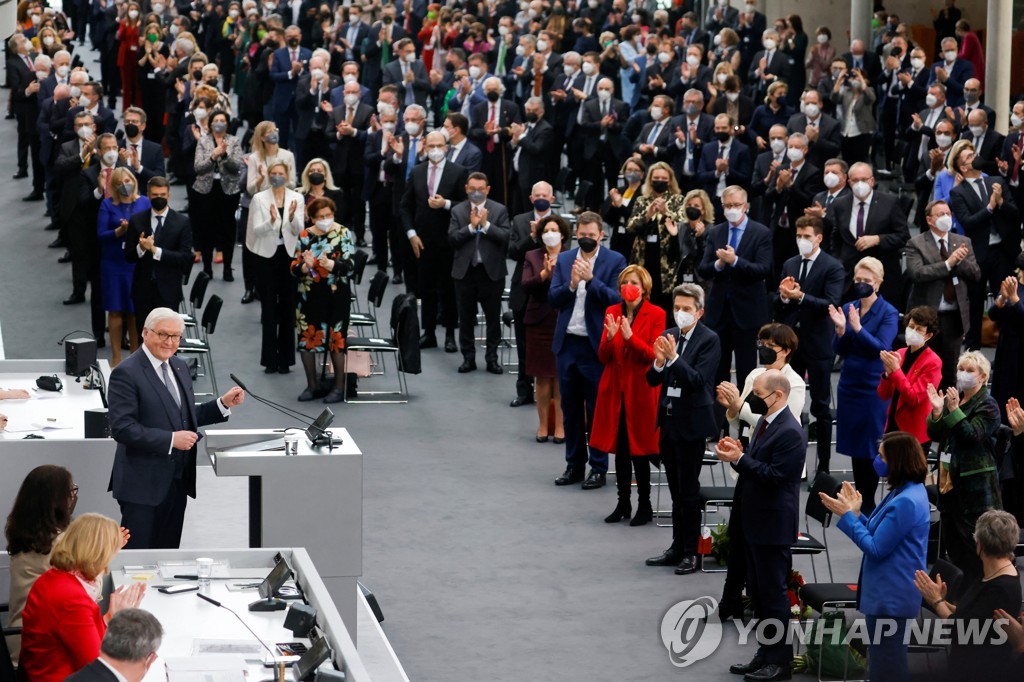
[{"x": 881, "y": 467}]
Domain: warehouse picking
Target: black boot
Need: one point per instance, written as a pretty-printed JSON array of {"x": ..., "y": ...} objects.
[
  {"x": 309, "y": 365},
  {"x": 644, "y": 513},
  {"x": 622, "y": 511}
]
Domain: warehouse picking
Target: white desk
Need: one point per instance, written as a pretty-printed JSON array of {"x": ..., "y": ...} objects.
[{"x": 64, "y": 408}]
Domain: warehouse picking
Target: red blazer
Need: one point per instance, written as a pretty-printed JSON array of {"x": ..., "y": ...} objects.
[
  {"x": 625, "y": 381},
  {"x": 61, "y": 628},
  {"x": 913, "y": 406}
]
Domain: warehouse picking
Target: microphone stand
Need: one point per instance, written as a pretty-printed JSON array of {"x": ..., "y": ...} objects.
[
  {"x": 319, "y": 437},
  {"x": 279, "y": 664}
]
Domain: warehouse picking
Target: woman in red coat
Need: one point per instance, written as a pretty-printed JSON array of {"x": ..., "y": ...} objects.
[
  {"x": 128, "y": 57},
  {"x": 61, "y": 624},
  {"x": 907, "y": 374},
  {"x": 626, "y": 414}
]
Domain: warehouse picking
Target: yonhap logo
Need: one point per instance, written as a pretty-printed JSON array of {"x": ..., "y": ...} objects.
[{"x": 691, "y": 630}]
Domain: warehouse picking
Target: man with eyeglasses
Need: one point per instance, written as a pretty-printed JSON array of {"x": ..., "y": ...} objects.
[{"x": 154, "y": 420}]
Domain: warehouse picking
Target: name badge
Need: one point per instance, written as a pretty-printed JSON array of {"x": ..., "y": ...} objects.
[
  {"x": 652, "y": 239},
  {"x": 674, "y": 392},
  {"x": 946, "y": 457},
  {"x": 151, "y": 76},
  {"x": 622, "y": 229},
  {"x": 956, "y": 280},
  {"x": 688, "y": 278}
]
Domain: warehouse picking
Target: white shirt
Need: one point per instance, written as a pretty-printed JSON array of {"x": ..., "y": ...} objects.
[
  {"x": 855, "y": 209},
  {"x": 681, "y": 342},
  {"x": 724, "y": 150},
  {"x": 578, "y": 319},
  {"x": 810, "y": 264},
  {"x": 457, "y": 149},
  {"x": 137, "y": 146},
  {"x": 795, "y": 403},
  {"x": 158, "y": 252}
]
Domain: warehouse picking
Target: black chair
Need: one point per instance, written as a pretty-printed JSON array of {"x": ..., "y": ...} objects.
[
  {"x": 201, "y": 346},
  {"x": 195, "y": 300},
  {"x": 359, "y": 261},
  {"x": 579, "y": 200},
  {"x": 374, "y": 298},
  {"x": 380, "y": 346},
  {"x": 806, "y": 544}
]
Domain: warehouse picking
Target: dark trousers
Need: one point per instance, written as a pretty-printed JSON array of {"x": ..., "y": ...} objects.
[
  {"x": 857, "y": 149},
  {"x": 579, "y": 373},
  {"x": 38, "y": 169},
  {"x": 887, "y": 660},
  {"x": 354, "y": 212},
  {"x": 995, "y": 267},
  {"x": 217, "y": 222},
  {"x": 628, "y": 466},
  {"x": 85, "y": 271},
  {"x": 866, "y": 481},
  {"x": 958, "y": 538},
  {"x": 683, "y": 460},
  {"x": 524, "y": 382},
  {"x": 947, "y": 346},
  {"x": 768, "y": 567},
  {"x": 742, "y": 343},
  {"x": 283, "y": 119},
  {"x": 736, "y": 575},
  {"x": 819, "y": 379},
  {"x": 381, "y": 219},
  {"x": 156, "y": 526},
  {"x": 477, "y": 288},
  {"x": 436, "y": 288},
  {"x": 145, "y": 298},
  {"x": 248, "y": 257},
  {"x": 276, "y": 287},
  {"x": 889, "y": 125},
  {"x": 24, "y": 138}
]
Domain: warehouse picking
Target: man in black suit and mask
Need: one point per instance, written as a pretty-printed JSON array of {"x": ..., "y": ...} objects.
[
  {"x": 530, "y": 144},
  {"x": 796, "y": 184}
]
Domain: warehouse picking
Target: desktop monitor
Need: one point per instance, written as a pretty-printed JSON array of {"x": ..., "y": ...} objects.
[{"x": 306, "y": 666}]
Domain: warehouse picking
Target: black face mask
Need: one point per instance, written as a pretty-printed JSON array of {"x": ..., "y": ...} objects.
[
  {"x": 766, "y": 355},
  {"x": 587, "y": 245},
  {"x": 693, "y": 213},
  {"x": 316, "y": 178},
  {"x": 212, "y": 82},
  {"x": 659, "y": 186},
  {"x": 131, "y": 130},
  {"x": 722, "y": 137},
  {"x": 493, "y": 96},
  {"x": 861, "y": 289},
  {"x": 652, "y": 49},
  {"x": 159, "y": 203},
  {"x": 757, "y": 404},
  {"x": 532, "y": 117},
  {"x": 197, "y": 75},
  {"x": 293, "y": 42},
  {"x": 449, "y": 67}
]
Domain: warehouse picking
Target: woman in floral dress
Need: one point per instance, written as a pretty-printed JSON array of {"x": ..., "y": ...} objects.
[{"x": 322, "y": 263}]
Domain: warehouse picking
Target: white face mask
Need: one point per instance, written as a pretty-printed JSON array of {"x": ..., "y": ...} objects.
[
  {"x": 943, "y": 140},
  {"x": 721, "y": 78},
  {"x": 604, "y": 95},
  {"x": 568, "y": 70},
  {"x": 410, "y": 57},
  {"x": 588, "y": 68},
  {"x": 200, "y": 114},
  {"x": 158, "y": 8},
  {"x": 1016, "y": 120},
  {"x": 503, "y": 31},
  {"x": 684, "y": 320},
  {"x": 435, "y": 155},
  {"x": 233, "y": 14},
  {"x": 769, "y": 44},
  {"x": 636, "y": 18},
  {"x": 931, "y": 100},
  {"x": 48, "y": 40},
  {"x": 474, "y": 72},
  {"x": 804, "y": 246},
  {"x": 732, "y": 96},
  {"x": 542, "y": 46},
  {"x": 62, "y": 71},
  {"x": 175, "y": 29},
  {"x": 832, "y": 180},
  {"x": 656, "y": 113},
  {"x": 664, "y": 57},
  {"x": 412, "y": 128},
  {"x": 76, "y": 91},
  {"x": 133, "y": 14},
  {"x": 520, "y": 50},
  {"x": 778, "y": 146},
  {"x": 812, "y": 110},
  {"x": 977, "y": 131},
  {"x": 822, "y": 38},
  {"x": 944, "y": 223},
  {"x": 388, "y": 127},
  {"x": 84, "y": 102},
  {"x": 734, "y": 215},
  {"x": 351, "y": 100},
  {"x": 861, "y": 189},
  {"x": 717, "y": 40},
  {"x": 317, "y": 74},
  {"x": 693, "y": 61},
  {"x": 42, "y": 75},
  {"x": 349, "y": 78},
  {"x": 913, "y": 338},
  {"x": 965, "y": 381},
  {"x": 950, "y": 56},
  {"x": 325, "y": 223},
  {"x": 109, "y": 158},
  {"x": 795, "y": 154},
  {"x": 917, "y": 63},
  {"x": 84, "y": 132},
  {"x": 551, "y": 239}
]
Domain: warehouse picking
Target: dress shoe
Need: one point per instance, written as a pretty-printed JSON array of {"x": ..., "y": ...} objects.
[
  {"x": 284, "y": 369},
  {"x": 687, "y": 566},
  {"x": 543, "y": 439},
  {"x": 594, "y": 481},
  {"x": 467, "y": 366},
  {"x": 65, "y": 258},
  {"x": 569, "y": 477},
  {"x": 334, "y": 396},
  {"x": 218, "y": 257},
  {"x": 248, "y": 297},
  {"x": 229, "y": 276},
  {"x": 670, "y": 557},
  {"x": 101, "y": 342},
  {"x": 306, "y": 395},
  {"x": 270, "y": 369},
  {"x": 20, "y": 174},
  {"x": 756, "y": 663},
  {"x": 48, "y": 213},
  {"x": 622, "y": 511},
  {"x": 74, "y": 299},
  {"x": 372, "y": 261},
  {"x": 428, "y": 342},
  {"x": 449, "y": 343},
  {"x": 644, "y": 513},
  {"x": 35, "y": 196},
  {"x": 770, "y": 673},
  {"x": 521, "y": 400},
  {"x": 57, "y": 243},
  {"x": 398, "y": 280},
  {"x": 494, "y": 367},
  {"x": 52, "y": 226}
]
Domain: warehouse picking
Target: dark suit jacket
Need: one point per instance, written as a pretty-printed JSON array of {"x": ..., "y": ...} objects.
[
  {"x": 280, "y": 69},
  {"x": 397, "y": 169},
  {"x": 431, "y": 224},
  {"x": 795, "y": 198},
  {"x": 961, "y": 72},
  {"x": 307, "y": 117},
  {"x": 143, "y": 418},
  {"x": 420, "y": 85},
  {"x": 105, "y": 122},
  {"x": 829, "y": 141},
  {"x": 507, "y": 112},
  {"x": 664, "y": 144},
  {"x": 739, "y": 166},
  {"x": 928, "y": 273},
  {"x": 885, "y": 219},
  {"x": 690, "y": 415},
  {"x": 602, "y": 291},
  {"x": 362, "y": 31},
  {"x": 152, "y": 159},
  {"x": 699, "y": 81},
  {"x": 94, "y": 672},
  {"x": 821, "y": 199},
  {"x": 740, "y": 288},
  {"x": 19, "y": 77},
  {"x": 470, "y": 157},
  {"x": 533, "y": 162},
  {"x": 822, "y": 287},
  {"x": 371, "y": 69},
  {"x": 779, "y": 66},
  {"x": 989, "y": 150},
  {"x": 872, "y": 66},
  {"x": 562, "y": 115},
  {"x": 770, "y": 475},
  {"x": 175, "y": 242},
  {"x": 592, "y": 130},
  {"x": 493, "y": 243},
  {"x": 520, "y": 243},
  {"x": 745, "y": 104},
  {"x": 348, "y": 150},
  {"x": 705, "y": 134},
  {"x": 977, "y": 221}
]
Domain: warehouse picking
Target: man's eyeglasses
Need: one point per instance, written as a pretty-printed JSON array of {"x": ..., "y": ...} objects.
[
  {"x": 74, "y": 491},
  {"x": 176, "y": 338}
]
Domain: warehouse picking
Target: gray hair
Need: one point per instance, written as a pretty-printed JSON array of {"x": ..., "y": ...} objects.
[
  {"x": 690, "y": 290},
  {"x": 44, "y": 60},
  {"x": 158, "y": 315},
  {"x": 800, "y": 137},
  {"x": 417, "y": 108},
  {"x": 62, "y": 53},
  {"x": 387, "y": 110},
  {"x": 132, "y": 635},
  {"x": 497, "y": 81},
  {"x": 998, "y": 533},
  {"x": 693, "y": 92},
  {"x": 537, "y": 101}
]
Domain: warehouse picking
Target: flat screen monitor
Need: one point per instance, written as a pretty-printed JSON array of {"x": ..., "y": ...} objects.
[
  {"x": 275, "y": 579},
  {"x": 315, "y": 431},
  {"x": 314, "y": 657}
]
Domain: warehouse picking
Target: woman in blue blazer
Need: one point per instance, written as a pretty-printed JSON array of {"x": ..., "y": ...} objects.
[{"x": 894, "y": 539}]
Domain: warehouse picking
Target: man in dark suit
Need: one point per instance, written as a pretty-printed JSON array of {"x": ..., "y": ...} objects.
[
  {"x": 689, "y": 30},
  {"x": 920, "y": 135},
  {"x": 431, "y": 190},
  {"x": 524, "y": 238},
  {"x": 824, "y": 141},
  {"x": 143, "y": 157},
  {"x": 938, "y": 157},
  {"x": 988, "y": 143},
  {"x": 972, "y": 101},
  {"x": 89, "y": 101},
  {"x": 985, "y": 208},
  {"x": 868, "y": 63},
  {"x": 768, "y": 65},
  {"x": 766, "y": 165},
  {"x": 691, "y": 129},
  {"x": 686, "y": 358},
  {"x": 379, "y": 191},
  {"x": 724, "y": 162},
  {"x": 769, "y": 492},
  {"x": 691, "y": 74},
  {"x": 289, "y": 62},
  {"x": 491, "y": 131},
  {"x": 153, "y": 419},
  {"x": 737, "y": 260},
  {"x": 835, "y": 188},
  {"x": 351, "y": 36},
  {"x": 604, "y": 149},
  {"x": 811, "y": 282},
  {"x": 408, "y": 149},
  {"x": 530, "y": 143},
  {"x": 21, "y": 79},
  {"x": 1010, "y": 156},
  {"x": 350, "y": 123},
  {"x": 408, "y": 74},
  {"x": 159, "y": 242},
  {"x": 942, "y": 269},
  {"x": 952, "y": 72},
  {"x": 128, "y": 649},
  {"x": 655, "y": 141},
  {"x": 796, "y": 184},
  {"x": 478, "y": 233},
  {"x": 460, "y": 149},
  {"x": 583, "y": 285},
  {"x": 313, "y": 112},
  {"x": 869, "y": 223},
  {"x": 378, "y": 46}
]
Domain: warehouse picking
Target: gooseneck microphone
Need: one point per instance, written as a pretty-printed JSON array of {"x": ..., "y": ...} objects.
[
  {"x": 294, "y": 414},
  {"x": 216, "y": 603}
]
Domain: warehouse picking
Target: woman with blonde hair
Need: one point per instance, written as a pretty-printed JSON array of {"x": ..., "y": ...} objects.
[
  {"x": 655, "y": 222},
  {"x": 699, "y": 216},
  {"x": 774, "y": 111},
  {"x": 61, "y": 623},
  {"x": 727, "y": 52},
  {"x": 949, "y": 177},
  {"x": 318, "y": 183},
  {"x": 265, "y": 151},
  {"x": 115, "y": 271},
  {"x": 618, "y": 207},
  {"x": 49, "y": 41}
]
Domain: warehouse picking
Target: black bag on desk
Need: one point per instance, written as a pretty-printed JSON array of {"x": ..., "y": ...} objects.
[{"x": 49, "y": 383}]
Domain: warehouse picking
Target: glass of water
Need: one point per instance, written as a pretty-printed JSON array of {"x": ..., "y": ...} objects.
[{"x": 204, "y": 570}]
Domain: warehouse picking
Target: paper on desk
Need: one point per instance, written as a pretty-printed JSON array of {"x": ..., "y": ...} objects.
[
  {"x": 20, "y": 427},
  {"x": 212, "y": 668}
]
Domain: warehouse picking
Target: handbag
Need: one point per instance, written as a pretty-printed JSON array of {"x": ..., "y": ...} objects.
[{"x": 50, "y": 383}]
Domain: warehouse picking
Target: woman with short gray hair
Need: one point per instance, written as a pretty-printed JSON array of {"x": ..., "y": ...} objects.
[{"x": 996, "y": 535}]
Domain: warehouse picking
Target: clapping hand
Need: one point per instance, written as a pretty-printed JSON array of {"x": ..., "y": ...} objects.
[
  {"x": 838, "y": 319},
  {"x": 292, "y": 208},
  {"x": 626, "y": 329},
  {"x": 1015, "y": 415},
  {"x": 126, "y": 597},
  {"x": 853, "y": 317},
  {"x": 478, "y": 218},
  {"x": 1008, "y": 290},
  {"x": 126, "y": 535},
  {"x": 789, "y": 289},
  {"x": 325, "y": 262},
  {"x": 935, "y": 398},
  {"x": 121, "y": 228},
  {"x": 931, "y": 590},
  {"x": 436, "y": 201},
  {"x": 147, "y": 243},
  {"x": 308, "y": 260},
  {"x": 952, "y": 399},
  {"x": 1014, "y": 630},
  {"x": 611, "y": 325},
  {"x": 728, "y": 396},
  {"x": 729, "y": 450},
  {"x": 727, "y": 255},
  {"x": 890, "y": 360}
]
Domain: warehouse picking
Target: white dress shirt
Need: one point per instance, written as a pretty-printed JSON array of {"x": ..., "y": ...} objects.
[
  {"x": 157, "y": 252},
  {"x": 578, "y": 319}
]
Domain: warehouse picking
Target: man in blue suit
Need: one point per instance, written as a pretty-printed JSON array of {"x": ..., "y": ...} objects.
[
  {"x": 952, "y": 73},
  {"x": 584, "y": 283},
  {"x": 153, "y": 419},
  {"x": 288, "y": 64},
  {"x": 769, "y": 490},
  {"x": 723, "y": 162},
  {"x": 737, "y": 259}
]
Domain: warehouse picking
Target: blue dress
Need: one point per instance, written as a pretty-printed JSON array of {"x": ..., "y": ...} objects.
[
  {"x": 116, "y": 272},
  {"x": 860, "y": 413}
]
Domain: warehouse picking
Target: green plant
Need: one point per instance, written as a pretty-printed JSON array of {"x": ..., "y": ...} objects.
[{"x": 720, "y": 543}]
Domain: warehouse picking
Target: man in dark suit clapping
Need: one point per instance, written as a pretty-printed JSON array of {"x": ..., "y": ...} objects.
[
  {"x": 685, "y": 361},
  {"x": 769, "y": 490},
  {"x": 811, "y": 282},
  {"x": 796, "y": 184},
  {"x": 159, "y": 242},
  {"x": 350, "y": 122},
  {"x": 530, "y": 143},
  {"x": 479, "y": 232}
]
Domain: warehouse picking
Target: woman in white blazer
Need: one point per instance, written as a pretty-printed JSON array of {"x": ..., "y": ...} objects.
[{"x": 276, "y": 217}]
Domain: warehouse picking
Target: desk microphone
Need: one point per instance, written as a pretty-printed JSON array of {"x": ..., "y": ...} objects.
[
  {"x": 294, "y": 414},
  {"x": 315, "y": 427},
  {"x": 275, "y": 657}
]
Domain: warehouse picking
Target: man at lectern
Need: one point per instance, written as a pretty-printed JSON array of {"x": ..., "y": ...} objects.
[{"x": 154, "y": 419}]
